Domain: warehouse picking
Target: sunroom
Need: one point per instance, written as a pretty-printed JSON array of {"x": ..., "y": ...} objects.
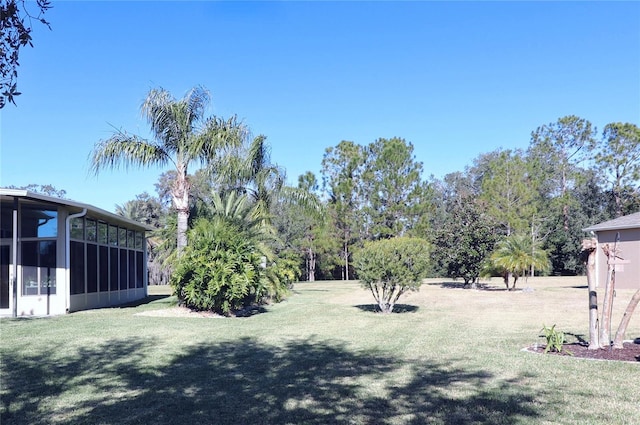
[{"x": 58, "y": 256}]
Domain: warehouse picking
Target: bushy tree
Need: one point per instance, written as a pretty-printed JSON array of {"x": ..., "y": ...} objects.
[
  {"x": 391, "y": 267},
  {"x": 464, "y": 241}
]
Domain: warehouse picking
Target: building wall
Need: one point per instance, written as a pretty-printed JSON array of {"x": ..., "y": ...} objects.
[
  {"x": 108, "y": 264},
  {"x": 106, "y": 299},
  {"x": 34, "y": 300},
  {"x": 43, "y": 304},
  {"x": 627, "y": 275}
]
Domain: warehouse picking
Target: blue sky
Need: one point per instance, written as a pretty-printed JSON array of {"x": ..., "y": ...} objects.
[{"x": 456, "y": 79}]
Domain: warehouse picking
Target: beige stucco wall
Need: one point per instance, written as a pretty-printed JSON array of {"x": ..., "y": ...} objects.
[{"x": 627, "y": 275}]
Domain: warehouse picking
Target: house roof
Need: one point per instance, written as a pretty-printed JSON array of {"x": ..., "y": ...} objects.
[
  {"x": 72, "y": 205},
  {"x": 631, "y": 221}
]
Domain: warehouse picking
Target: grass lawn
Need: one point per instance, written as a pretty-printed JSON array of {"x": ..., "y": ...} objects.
[{"x": 451, "y": 356}]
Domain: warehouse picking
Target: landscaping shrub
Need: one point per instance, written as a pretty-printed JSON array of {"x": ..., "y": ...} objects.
[
  {"x": 390, "y": 267},
  {"x": 220, "y": 269},
  {"x": 281, "y": 276}
]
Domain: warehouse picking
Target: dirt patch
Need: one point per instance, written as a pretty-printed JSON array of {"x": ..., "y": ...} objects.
[{"x": 629, "y": 353}]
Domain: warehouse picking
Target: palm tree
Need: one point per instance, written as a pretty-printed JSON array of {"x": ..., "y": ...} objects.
[
  {"x": 515, "y": 254},
  {"x": 264, "y": 182},
  {"x": 182, "y": 137}
]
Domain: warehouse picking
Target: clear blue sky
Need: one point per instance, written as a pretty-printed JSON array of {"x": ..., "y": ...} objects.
[{"x": 456, "y": 79}]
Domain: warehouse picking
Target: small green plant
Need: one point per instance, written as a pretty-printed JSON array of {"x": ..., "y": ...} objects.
[{"x": 555, "y": 340}]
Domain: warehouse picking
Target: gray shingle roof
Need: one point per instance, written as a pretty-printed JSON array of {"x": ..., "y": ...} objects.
[{"x": 631, "y": 221}]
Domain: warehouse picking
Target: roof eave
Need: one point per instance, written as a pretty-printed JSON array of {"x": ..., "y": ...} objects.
[{"x": 100, "y": 213}]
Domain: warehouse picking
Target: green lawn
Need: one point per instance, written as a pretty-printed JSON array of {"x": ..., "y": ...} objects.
[{"x": 452, "y": 356}]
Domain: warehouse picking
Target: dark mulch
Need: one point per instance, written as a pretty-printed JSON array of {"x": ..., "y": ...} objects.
[{"x": 630, "y": 352}]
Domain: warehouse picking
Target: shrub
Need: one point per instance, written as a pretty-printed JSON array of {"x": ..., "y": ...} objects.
[
  {"x": 390, "y": 267},
  {"x": 281, "y": 275},
  {"x": 219, "y": 270}
]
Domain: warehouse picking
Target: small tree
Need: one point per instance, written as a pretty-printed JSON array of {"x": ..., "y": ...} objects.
[
  {"x": 515, "y": 255},
  {"x": 390, "y": 267}
]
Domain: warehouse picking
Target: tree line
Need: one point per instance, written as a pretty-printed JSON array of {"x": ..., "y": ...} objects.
[
  {"x": 533, "y": 202},
  {"x": 512, "y": 212}
]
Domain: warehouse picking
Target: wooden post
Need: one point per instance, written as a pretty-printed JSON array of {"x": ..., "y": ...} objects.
[{"x": 589, "y": 247}]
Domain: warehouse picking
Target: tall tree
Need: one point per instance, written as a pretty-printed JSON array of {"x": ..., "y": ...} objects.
[
  {"x": 342, "y": 176},
  {"x": 556, "y": 148},
  {"x": 15, "y": 22},
  {"x": 507, "y": 189},
  {"x": 392, "y": 189},
  {"x": 183, "y": 137},
  {"x": 618, "y": 159}
]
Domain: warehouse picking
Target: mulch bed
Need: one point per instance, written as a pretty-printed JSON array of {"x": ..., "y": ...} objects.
[{"x": 630, "y": 352}]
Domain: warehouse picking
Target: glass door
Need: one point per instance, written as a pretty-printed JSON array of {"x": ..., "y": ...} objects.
[{"x": 5, "y": 277}]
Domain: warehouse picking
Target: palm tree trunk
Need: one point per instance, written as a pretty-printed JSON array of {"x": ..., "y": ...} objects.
[
  {"x": 183, "y": 224},
  {"x": 311, "y": 272},
  {"x": 180, "y": 194}
]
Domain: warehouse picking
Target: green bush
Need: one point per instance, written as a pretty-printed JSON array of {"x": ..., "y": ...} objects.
[
  {"x": 220, "y": 269},
  {"x": 282, "y": 274},
  {"x": 390, "y": 267}
]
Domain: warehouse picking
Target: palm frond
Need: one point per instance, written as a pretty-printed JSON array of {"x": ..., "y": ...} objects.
[
  {"x": 157, "y": 109},
  {"x": 126, "y": 150},
  {"x": 196, "y": 100},
  {"x": 308, "y": 201},
  {"x": 517, "y": 253},
  {"x": 216, "y": 137}
]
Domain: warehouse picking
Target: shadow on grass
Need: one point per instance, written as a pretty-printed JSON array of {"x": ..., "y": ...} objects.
[
  {"x": 398, "y": 308},
  {"x": 462, "y": 285},
  {"x": 166, "y": 299},
  {"x": 250, "y": 311},
  {"x": 246, "y": 382},
  {"x": 147, "y": 300},
  {"x": 303, "y": 290}
]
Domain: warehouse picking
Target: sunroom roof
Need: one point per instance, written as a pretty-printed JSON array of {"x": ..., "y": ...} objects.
[{"x": 72, "y": 205}]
